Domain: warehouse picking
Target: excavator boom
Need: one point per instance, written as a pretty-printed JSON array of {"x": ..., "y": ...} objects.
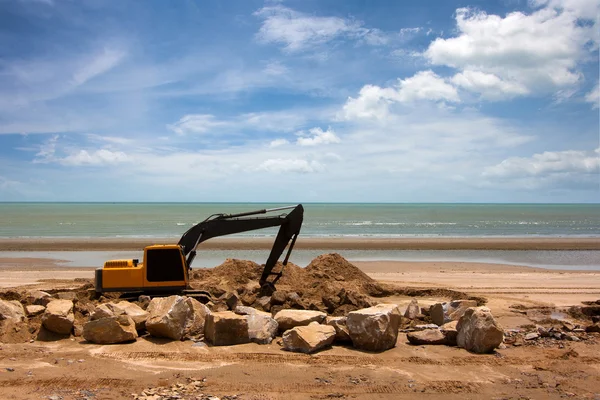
[{"x": 227, "y": 224}]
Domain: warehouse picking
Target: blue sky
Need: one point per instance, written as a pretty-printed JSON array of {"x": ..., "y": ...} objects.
[{"x": 300, "y": 101}]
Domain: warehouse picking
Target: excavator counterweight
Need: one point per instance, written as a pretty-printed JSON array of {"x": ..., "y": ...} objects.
[{"x": 166, "y": 268}]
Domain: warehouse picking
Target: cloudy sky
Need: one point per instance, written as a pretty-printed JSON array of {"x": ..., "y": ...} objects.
[{"x": 300, "y": 101}]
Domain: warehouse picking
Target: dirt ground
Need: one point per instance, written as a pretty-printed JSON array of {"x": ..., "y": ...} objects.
[{"x": 519, "y": 297}]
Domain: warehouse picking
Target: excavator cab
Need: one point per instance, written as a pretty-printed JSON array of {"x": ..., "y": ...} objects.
[{"x": 166, "y": 268}]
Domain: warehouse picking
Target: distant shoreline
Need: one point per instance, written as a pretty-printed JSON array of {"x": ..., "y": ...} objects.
[{"x": 342, "y": 243}]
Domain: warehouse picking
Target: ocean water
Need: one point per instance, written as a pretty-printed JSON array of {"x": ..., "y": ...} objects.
[{"x": 90, "y": 220}]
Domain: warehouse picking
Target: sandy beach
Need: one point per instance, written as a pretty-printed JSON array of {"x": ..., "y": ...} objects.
[{"x": 518, "y": 296}]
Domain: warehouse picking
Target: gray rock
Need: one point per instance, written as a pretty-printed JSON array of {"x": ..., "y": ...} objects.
[
  {"x": 262, "y": 328},
  {"x": 478, "y": 331},
  {"x": 532, "y": 336},
  {"x": 428, "y": 336},
  {"x": 413, "y": 310},
  {"x": 342, "y": 334},
  {"x": 288, "y": 319},
  {"x": 374, "y": 328},
  {"x": 308, "y": 339},
  {"x": 116, "y": 329},
  {"x": 436, "y": 312},
  {"x": 232, "y": 300},
  {"x": 226, "y": 328},
  {"x": 135, "y": 312},
  {"x": 59, "y": 317},
  {"x": 12, "y": 310}
]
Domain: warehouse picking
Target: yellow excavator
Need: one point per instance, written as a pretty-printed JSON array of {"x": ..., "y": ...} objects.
[{"x": 166, "y": 268}]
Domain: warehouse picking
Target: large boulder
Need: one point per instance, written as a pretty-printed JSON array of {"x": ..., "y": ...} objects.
[
  {"x": 413, "y": 310},
  {"x": 59, "y": 317},
  {"x": 135, "y": 312},
  {"x": 288, "y": 319},
  {"x": 478, "y": 331},
  {"x": 176, "y": 317},
  {"x": 427, "y": 336},
  {"x": 226, "y": 328},
  {"x": 116, "y": 329},
  {"x": 12, "y": 309},
  {"x": 262, "y": 328},
  {"x": 457, "y": 308},
  {"x": 308, "y": 339},
  {"x": 38, "y": 298},
  {"x": 374, "y": 328},
  {"x": 437, "y": 314},
  {"x": 341, "y": 328}
]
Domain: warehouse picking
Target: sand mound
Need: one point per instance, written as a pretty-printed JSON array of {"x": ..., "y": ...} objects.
[{"x": 329, "y": 283}]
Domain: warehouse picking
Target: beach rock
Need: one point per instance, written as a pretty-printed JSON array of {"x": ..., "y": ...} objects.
[
  {"x": 413, "y": 310},
  {"x": 278, "y": 297},
  {"x": 422, "y": 327},
  {"x": 428, "y": 336},
  {"x": 38, "y": 298},
  {"x": 34, "y": 310},
  {"x": 263, "y": 302},
  {"x": 374, "y": 328},
  {"x": 226, "y": 328},
  {"x": 217, "y": 306},
  {"x": 77, "y": 329},
  {"x": 12, "y": 309},
  {"x": 294, "y": 300},
  {"x": 231, "y": 300},
  {"x": 450, "y": 333},
  {"x": 457, "y": 308},
  {"x": 262, "y": 328},
  {"x": 176, "y": 317},
  {"x": 135, "y": 312},
  {"x": 116, "y": 329},
  {"x": 309, "y": 338},
  {"x": 245, "y": 310},
  {"x": 59, "y": 317},
  {"x": 288, "y": 319},
  {"x": 144, "y": 301},
  {"x": 593, "y": 328},
  {"x": 341, "y": 328},
  {"x": 532, "y": 336},
  {"x": 478, "y": 331},
  {"x": 436, "y": 312},
  {"x": 66, "y": 296}
]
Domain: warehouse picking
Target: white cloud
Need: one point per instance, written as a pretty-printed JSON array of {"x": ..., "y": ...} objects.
[
  {"x": 94, "y": 158},
  {"x": 298, "y": 31},
  {"x": 290, "y": 165},
  {"x": 278, "y": 142},
  {"x": 517, "y": 54},
  {"x": 374, "y": 101},
  {"x": 488, "y": 85},
  {"x": 98, "y": 64},
  {"x": 547, "y": 168},
  {"x": 593, "y": 96},
  {"x": 317, "y": 136},
  {"x": 196, "y": 123}
]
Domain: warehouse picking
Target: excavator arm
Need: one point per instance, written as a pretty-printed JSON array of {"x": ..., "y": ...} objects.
[{"x": 227, "y": 224}]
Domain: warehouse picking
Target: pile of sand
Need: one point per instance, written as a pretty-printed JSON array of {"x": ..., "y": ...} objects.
[{"x": 329, "y": 283}]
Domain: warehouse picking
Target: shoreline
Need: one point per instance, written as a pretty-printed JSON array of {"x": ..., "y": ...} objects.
[{"x": 342, "y": 243}]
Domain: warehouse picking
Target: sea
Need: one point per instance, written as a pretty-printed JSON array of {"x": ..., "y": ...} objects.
[
  {"x": 171, "y": 220},
  {"x": 142, "y": 220}
]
